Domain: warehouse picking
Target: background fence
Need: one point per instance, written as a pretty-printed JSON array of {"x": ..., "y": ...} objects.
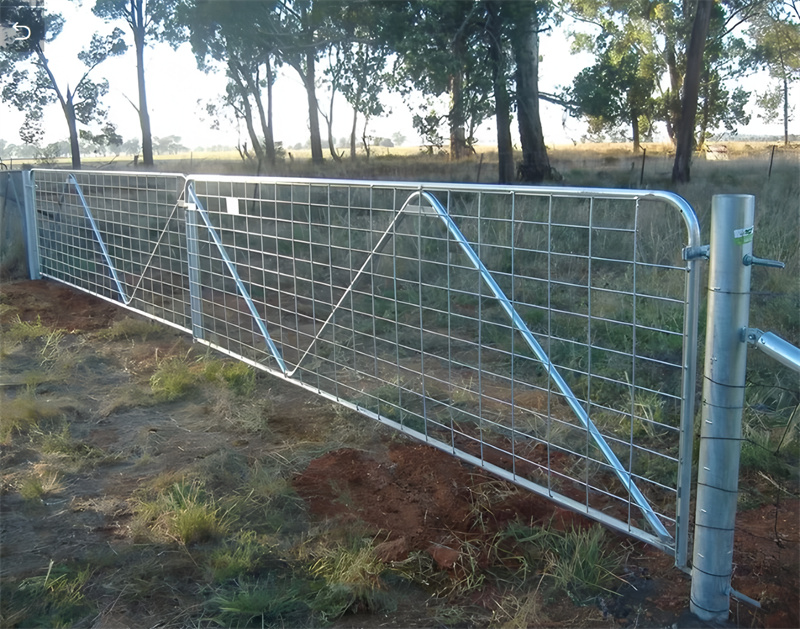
[{"x": 545, "y": 334}]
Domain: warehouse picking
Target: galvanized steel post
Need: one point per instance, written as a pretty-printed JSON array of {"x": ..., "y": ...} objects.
[
  {"x": 193, "y": 261},
  {"x": 723, "y": 400},
  {"x": 31, "y": 229}
]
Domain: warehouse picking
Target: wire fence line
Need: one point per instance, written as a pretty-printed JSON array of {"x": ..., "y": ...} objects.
[{"x": 547, "y": 335}]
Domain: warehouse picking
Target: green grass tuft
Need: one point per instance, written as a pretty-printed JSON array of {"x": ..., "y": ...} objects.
[
  {"x": 56, "y": 599},
  {"x": 173, "y": 380},
  {"x": 352, "y": 580},
  {"x": 274, "y": 602},
  {"x": 184, "y": 512}
]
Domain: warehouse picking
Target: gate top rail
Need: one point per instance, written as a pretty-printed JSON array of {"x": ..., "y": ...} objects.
[
  {"x": 687, "y": 212},
  {"x": 682, "y": 205}
]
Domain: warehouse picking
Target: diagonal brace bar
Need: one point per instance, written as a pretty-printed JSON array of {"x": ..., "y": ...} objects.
[
  {"x": 536, "y": 348},
  {"x": 262, "y": 327}
]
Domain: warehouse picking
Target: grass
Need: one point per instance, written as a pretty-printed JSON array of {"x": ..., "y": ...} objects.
[
  {"x": 69, "y": 453},
  {"x": 55, "y": 599},
  {"x": 271, "y": 602},
  {"x": 173, "y": 379},
  {"x": 132, "y": 330},
  {"x": 46, "y": 341},
  {"x": 42, "y": 481},
  {"x": 239, "y": 557},
  {"x": 185, "y": 513},
  {"x": 238, "y": 377},
  {"x": 25, "y": 412},
  {"x": 578, "y": 561},
  {"x": 352, "y": 580}
]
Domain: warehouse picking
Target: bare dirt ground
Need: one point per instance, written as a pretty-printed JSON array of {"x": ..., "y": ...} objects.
[{"x": 417, "y": 498}]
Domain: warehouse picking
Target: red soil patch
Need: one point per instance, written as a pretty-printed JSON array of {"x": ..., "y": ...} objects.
[
  {"x": 420, "y": 497},
  {"x": 60, "y": 306}
]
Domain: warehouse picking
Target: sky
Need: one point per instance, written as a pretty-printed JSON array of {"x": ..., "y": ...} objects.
[{"x": 175, "y": 85}]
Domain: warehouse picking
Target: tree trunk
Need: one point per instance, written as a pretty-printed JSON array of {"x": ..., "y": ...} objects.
[
  {"x": 364, "y": 137},
  {"x": 67, "y": 107},
  {"x": 269, "y": 137},
  {"x": 137, "y": 25},
  {"x": 705, "y": 113},
  {"x": 785, "y": 110},
  {"x": 353, "y": 134},
  {"x": 637, "y": 143},
  {"x": 329, "y": 123},
  {"x": 502, "y": 112},
  {"x": 457, "y": 117},
  {"x": 251, "y": 86},
  {"x": 247, "y": 111},
  {"x": 313, "y": 108},
  {"x": 535, "y": 166},
  {"x": 673, "y": 96},
  {"x": 691, "y": 89},
  {"x": 74, "y": 147},
  {"x": 266, "y": 126}
]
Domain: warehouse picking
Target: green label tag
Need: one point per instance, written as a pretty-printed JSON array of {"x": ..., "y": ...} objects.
[{"x": 742, "y": 236}]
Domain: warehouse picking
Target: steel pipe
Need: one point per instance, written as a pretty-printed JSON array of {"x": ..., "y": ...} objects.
[{"x": 722, "y": 405}]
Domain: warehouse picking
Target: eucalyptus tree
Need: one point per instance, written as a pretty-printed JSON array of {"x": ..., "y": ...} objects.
[
  {"x": 442, "y": 47},
  {"x": 357, "y": 69},
  {"x": 296, "y": 27},
  {"x": 362, "y": 86},
  {"x": 618, "y": 89},
  {"x": 222, "y": 35},
  {"x": 659, "y": 34},
  {"x": 529, "y": 19},
  {"x": 30, "y": 84},
  {"x": 684, "y": 144},
  {"x": 720, "y": 105},
  {"x": 145, "y": 18},
  {"x": 776, "y": 35},
  {"x": 500, "y": 63},
  {"x": 439, "y": 51}
]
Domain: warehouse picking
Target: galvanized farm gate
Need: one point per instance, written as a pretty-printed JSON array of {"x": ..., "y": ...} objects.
[{"x": 547, "y": 335}]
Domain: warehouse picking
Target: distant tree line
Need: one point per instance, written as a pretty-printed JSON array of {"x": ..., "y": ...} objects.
[{"x": 675, "y": 62}]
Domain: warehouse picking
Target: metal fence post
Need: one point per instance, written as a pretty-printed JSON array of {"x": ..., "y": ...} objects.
[
  {"x": 193, "y": 261},
  {"x": 31, "y": 229},
  {"x": 723, "y": 400}
]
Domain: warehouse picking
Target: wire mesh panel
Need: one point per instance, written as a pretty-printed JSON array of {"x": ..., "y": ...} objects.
[
  {"x": 116, "y": 235},
  {"x": 543, "y": 334}
]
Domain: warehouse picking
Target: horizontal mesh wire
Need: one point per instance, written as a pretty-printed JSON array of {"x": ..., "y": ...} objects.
[
  {"x": 121, "y": 236},
  {"x": 384, "y": 310},
  {"x": 489, "y": 322}
]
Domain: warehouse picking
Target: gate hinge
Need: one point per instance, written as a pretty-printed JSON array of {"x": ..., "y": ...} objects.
[{"x": 695, "y": 253}]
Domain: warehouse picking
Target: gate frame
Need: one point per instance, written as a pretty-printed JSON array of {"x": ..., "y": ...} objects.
[{"x": 691, "y": 253}]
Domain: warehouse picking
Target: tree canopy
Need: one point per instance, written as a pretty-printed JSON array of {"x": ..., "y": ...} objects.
[
  {"x": 458, "y": 63},
  {"x": 29, "y": 84}
]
